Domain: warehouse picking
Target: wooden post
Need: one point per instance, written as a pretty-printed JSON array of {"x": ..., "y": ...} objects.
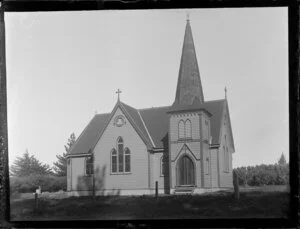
[
  {"x": 236, "y": 185},
  {"x": 156, "y": 189},
  {"x": 94, "y": 191},
  {"x": 36, "y": 201}
]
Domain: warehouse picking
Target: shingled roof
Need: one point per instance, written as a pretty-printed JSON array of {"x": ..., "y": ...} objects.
[
  {"x": 189, "y": 84},
  {"x": 153, "y": 122}
]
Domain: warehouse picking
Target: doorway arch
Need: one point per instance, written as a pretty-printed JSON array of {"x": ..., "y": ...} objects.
[{"x": 185, "y": 171}]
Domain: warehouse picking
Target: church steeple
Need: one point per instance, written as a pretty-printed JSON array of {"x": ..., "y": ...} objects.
[{"x": 189, "y": 88}]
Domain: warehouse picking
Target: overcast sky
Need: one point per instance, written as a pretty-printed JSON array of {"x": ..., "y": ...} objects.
[{"x": 62, "y": 67}]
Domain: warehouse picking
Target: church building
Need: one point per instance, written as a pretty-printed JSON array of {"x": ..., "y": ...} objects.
[{"x": 186, "y": 147}]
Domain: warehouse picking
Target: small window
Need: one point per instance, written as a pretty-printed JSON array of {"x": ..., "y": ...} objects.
[
  {"x": 127, "y": 160},
  {"x": 114, "y": 161},
  {"x": 89, "y": 166},
  {"x": 188, "y": 129},
  {"x": 181, "y": 129}
]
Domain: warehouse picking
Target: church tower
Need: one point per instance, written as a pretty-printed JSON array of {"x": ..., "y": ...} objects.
[
  {"x": 189, "y": 125},
  {"x": 189, "y": 86}
]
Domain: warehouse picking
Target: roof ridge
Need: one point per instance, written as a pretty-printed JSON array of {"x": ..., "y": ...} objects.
[
  {"x": 107, "y": 113},
  {"x": 215, "y": 100},
  {"x": 148, "y": 108},
  {"x": 128, "y": 105},
  {"x": 146, "y": 128}
]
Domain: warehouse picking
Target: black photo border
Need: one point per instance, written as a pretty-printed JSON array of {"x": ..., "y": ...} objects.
[{"x": 294, "y": 110}]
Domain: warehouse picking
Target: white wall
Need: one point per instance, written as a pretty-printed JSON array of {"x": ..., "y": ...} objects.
[{"x": 139, "y": 176}]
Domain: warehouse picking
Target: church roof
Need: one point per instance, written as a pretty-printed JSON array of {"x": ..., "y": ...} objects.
[
  {"x": 157, "y": 122},
  {"x": 153, "y": 122},
  {"x": 188, "y": 84},
  {"x": 87, "y": 138}
]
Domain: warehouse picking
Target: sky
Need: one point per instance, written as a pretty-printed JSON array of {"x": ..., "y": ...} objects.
[{"x": 63, "y": 67}]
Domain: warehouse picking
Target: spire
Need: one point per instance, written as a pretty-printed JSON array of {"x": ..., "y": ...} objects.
[{"x": 189, "y": 84}]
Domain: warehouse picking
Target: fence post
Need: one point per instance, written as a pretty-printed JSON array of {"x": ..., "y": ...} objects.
[
  {"x": 36, "y": 201},
  {"x": 156, "y": 189},
  {"x": 236, "y": 185}
]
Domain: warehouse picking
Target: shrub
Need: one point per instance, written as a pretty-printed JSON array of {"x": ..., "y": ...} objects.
[{"x": 30, "y": 183}]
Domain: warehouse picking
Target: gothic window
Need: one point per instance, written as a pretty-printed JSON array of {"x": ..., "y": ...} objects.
[
  {"x": 114, "y": 163},
  {"x": 188, "y": 129},
  {"x": 120, "y": 144},
  {"x": 88, "y": 166},
  {"x": 127, "y": 160},
  {"x": 120, "y": 158},
  {"x": 181, "y": 129}
]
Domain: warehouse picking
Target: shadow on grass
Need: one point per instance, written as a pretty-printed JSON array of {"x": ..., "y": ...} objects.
[{"x": 221, "y": 205}]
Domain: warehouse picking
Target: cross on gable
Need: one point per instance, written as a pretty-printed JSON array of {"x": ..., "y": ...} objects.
[{"x": 118, "y": 92}]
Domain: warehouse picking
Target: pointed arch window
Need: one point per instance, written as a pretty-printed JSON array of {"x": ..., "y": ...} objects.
[
  {"x": 120, "y": 144},
  {"x": 114, "y": 164},
  {"x": 120, "y": 158},
  {"x": 127, "y": 160},
  {"x": 188, "y": 129},
  {"x": 181, "y": 129},
  {"x": 184, "y": 129}
]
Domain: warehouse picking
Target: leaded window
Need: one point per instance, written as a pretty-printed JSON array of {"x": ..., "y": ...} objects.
[
  {"x": 127, "y": 160},
  {"x": 121, "y": 154},
  {"x": 188, "y": 129},
  {"x": 120, "y": 158},
  {"x": 181, "y": 129},
  {"x": 114, "y": 163}
]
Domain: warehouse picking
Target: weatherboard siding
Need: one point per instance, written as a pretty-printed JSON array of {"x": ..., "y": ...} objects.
[
  {"x": 138, "y": 177},
  {"x": 214, "y": 167},
  {"x": 157, "y": 176},
  {"x": 226, "y": 179},
  {"x": 79, "y": 180}
]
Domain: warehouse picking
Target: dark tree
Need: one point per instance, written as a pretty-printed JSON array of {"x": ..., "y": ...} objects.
[
  {"x": 27, "y": 165},
  {"x": 60, "y": 167}
]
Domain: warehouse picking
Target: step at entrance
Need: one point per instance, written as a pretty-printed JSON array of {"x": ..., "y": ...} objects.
[{"x": 184, "y": 189}]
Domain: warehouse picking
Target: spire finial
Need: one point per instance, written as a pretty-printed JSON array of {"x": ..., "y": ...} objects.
[
  {"x": 225, "y": 89},
  {"x": 118, "y": 92},
  {"x": 187, "y": 16}
]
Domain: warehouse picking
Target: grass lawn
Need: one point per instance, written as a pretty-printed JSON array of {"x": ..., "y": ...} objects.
[{"x": 254, "y": 204}]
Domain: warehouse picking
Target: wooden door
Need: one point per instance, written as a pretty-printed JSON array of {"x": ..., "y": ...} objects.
[{"x": 185, "y": 171}]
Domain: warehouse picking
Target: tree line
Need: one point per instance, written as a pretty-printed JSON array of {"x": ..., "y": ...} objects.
[
  {"x": 273, "y": 174},
  {"x": 27, "y": 173}
]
